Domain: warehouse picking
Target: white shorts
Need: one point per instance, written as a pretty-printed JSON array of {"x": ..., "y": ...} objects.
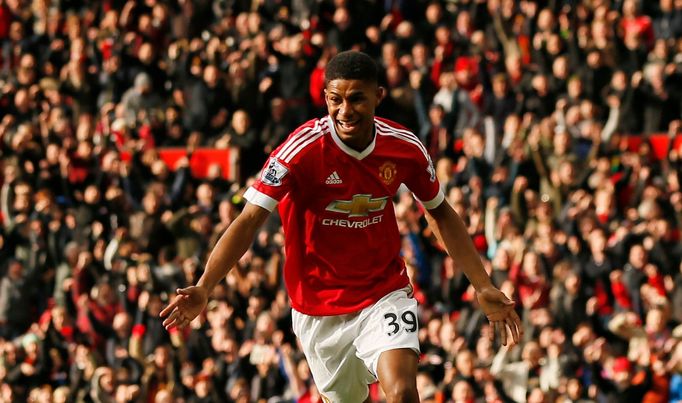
[{"x": 343, "y": 351}]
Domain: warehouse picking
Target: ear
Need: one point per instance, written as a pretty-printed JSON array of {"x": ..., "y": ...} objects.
[
  {"x": 326, "y": 100},
  {"x": 381, "y": 94}
]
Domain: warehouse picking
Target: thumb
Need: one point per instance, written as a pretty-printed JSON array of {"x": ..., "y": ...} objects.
[
  {"x": 499, "y": 296},
  {"x": 184, "y": 291},
  {"x": 505, "y": 300}
]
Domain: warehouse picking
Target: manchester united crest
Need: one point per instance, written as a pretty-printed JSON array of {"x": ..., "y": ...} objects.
[{"x": 387, "y": 172}]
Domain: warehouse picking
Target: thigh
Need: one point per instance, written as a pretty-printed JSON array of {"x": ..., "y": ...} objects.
[
  {"x": 390, "y": 324},
  {"x": 327, "y": 343},
  {"x": 398, "y": 368}
]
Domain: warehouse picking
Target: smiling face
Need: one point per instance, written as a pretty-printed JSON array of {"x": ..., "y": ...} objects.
[{"x": 351, "y": 105}]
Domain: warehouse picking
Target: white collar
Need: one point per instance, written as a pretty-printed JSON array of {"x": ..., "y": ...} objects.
[{"x": 355, "y": 154}]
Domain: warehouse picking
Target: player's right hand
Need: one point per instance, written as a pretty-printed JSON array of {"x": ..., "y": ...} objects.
[
  {"x": 501, "y": 314},
  {"x": 186, "y": 306}
]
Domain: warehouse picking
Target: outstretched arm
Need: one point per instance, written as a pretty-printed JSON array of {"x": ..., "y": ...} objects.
[
  {"x": 452, "y": 232},
  {"x": 234, "y": 242}
]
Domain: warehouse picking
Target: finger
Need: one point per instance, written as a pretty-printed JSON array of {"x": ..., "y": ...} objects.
[
  {"x": 172, "y": 318},
  {"x": 170, "y": 307},
  {"x": 170, "y": 323},
  {"x": 180, "y": 323},
  {"x": 499, "y": 329},
  {"x": 503, "y": 332},
  {"x": 513, "y": 329},
  {"x": 491, "y": 334},
  {"x": 183, "y": 291},
  {"x": 517, "y": 322}
]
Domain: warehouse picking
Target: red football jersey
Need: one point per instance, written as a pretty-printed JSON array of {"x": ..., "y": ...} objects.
[{"x": 342, "y": 242}]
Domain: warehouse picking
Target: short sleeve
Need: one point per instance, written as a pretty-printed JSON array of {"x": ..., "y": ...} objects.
[
  {"x": 272, "y": 185},
  {"x": 424, "y": 183},
  {"x": 277, "y": 177}
]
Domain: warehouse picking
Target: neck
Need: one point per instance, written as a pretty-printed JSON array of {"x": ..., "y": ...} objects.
[{"x": 359, "y": 144}]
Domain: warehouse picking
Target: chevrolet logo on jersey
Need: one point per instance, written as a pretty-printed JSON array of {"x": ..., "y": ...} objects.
[{"x": 359, "y": 206}]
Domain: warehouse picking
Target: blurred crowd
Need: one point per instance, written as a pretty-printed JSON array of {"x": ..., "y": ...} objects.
[{"x": 525, "y": 107}]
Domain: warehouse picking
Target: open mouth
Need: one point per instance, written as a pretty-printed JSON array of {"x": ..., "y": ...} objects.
[{"x": 347, "y": 125}]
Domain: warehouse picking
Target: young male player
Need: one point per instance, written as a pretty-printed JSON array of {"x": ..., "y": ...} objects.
[{"x": 334, "y": 179}]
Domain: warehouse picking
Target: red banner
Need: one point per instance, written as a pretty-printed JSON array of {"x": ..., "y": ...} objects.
[
  {"x": 201, "y": 161},
  {"x": 659, "y": 144}
]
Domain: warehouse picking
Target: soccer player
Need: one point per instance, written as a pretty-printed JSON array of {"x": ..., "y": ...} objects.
[{"x": 334, "y": 179}]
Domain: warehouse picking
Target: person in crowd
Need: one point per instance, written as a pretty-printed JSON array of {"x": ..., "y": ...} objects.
[{"x": 553, "y": 128}]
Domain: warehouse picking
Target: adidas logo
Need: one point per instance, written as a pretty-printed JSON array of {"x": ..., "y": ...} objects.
[{"x": 333, "y": 179}]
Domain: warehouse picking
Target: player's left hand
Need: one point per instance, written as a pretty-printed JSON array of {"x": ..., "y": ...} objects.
[
  {"x": 501, "y": 314},
  {"x": 185, "y": 307}
]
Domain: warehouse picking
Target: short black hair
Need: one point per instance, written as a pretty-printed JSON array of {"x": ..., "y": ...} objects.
[{"x": 351, "y": 65}]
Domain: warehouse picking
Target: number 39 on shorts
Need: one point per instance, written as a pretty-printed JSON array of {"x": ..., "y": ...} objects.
[{"x": 394, "y": 322}]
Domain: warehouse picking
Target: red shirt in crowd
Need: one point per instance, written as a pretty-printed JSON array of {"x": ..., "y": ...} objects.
[
  {"x": 342, "y": 240},
  {"x": 5, "y": 20},
  {"x": 640, "y": 25},
  {"x": 533, "y": 291}
]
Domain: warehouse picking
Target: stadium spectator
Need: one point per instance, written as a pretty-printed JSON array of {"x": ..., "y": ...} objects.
[{"x": 541, "y": 118}]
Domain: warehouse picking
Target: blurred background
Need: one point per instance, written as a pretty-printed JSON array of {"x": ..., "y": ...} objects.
[{"x": 129, "y": 131}]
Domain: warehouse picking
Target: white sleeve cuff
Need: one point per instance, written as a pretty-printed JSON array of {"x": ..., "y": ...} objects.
[
  {"x": 435, "y": 202},
  {"x": 260, "y": 199}
]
